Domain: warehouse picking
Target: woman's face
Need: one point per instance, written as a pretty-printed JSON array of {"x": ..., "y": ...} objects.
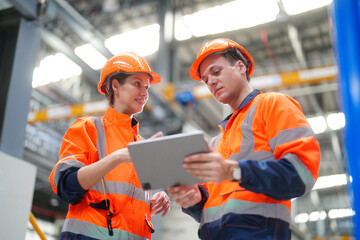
[{"x": 131, "y": 96}]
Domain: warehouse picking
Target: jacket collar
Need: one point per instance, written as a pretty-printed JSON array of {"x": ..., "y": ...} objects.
[
  {"x": 248, "y": 99},
  {"x": 120, "y": 119}
]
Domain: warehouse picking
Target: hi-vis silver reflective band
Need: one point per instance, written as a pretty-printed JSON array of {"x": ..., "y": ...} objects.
[
  {"x": 247, "y": 148},
  {"x": 97, "y": 232},
  {"x": 64, "y": 166},
  {"x": 121, "y": 187},
  {"x": 111, "y": 186},
  {"x": 270, "y": 210}
]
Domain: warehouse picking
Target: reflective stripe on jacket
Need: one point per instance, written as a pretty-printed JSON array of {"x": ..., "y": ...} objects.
[
  {"x": 82, "y": 146},
  {"x": 267, "y": 131}
]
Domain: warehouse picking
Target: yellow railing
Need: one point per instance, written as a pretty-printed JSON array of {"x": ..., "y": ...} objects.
[{"x": 36, "y": 227}]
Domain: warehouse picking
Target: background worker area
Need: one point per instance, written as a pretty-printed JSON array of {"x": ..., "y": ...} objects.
[
  {"x": 265, "y": 155},
  {"x": 95, "y": 174}
]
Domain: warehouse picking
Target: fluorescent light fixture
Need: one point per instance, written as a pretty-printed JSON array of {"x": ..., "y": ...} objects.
[
  {"x": 302, "y": 218},
  {"x": 318, "y": 124},
  {"x": 323, "y": 215},
  {"x": 295, "y": 7},
  {"x": 227, "y": 17},
  {"x": 316, "y": 216},
  {"x": 143, "y": 41},
  {"x": 182, "y": 31},
  {"x": 330, "y": 181},
  {"x": 336, "y": 121},
  {"x": 54, "y": 68},
  {"x": 91, "y": 56},
  {"x": 340, "y": 213}
]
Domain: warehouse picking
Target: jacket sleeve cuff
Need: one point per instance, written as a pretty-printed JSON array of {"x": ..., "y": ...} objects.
[
  {"x": 195, "y": 211},
  {"x": 69, "y": 188}
]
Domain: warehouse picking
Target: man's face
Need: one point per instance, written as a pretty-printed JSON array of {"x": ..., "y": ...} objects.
[{"x": 224, "y": 80}]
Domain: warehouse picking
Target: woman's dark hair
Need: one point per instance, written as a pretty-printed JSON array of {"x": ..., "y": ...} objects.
[{"x": 120, "y": 77}]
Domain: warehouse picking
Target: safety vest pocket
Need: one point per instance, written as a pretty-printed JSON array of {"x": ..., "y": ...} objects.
[{"x": 149, "y": 223}]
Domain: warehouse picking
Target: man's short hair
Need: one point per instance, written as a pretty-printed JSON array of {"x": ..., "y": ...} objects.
[{"x": 233, "y": 56}]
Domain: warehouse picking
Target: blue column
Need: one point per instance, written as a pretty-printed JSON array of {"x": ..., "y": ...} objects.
[{"x": 346, "y": 27}]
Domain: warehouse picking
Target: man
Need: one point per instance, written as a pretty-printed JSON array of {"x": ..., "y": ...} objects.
[{"x": 265, "y": 155}]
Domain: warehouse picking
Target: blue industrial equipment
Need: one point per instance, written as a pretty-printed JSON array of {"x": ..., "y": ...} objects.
[{"x": 346, "y": 27}]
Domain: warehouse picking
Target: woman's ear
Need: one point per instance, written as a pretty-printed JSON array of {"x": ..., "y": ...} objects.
[{"x": 115, "y": 85}]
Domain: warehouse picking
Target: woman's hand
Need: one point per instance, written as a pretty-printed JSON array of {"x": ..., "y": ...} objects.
[
  {"x": 185, "y": 196},
  {"x": 159, "y": 202},
  {"x": 156, "y": 135}
]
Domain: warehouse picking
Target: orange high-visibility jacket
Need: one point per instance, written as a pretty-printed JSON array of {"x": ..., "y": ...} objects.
[
  {"x": 266, "y": 129},
  {"x": 81, "y": 146}
]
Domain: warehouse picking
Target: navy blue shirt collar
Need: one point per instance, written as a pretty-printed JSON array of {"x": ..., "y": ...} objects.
[{"x": 248, "y": 99}]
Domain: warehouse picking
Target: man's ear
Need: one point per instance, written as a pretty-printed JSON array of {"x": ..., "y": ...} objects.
[{"x": 241, "y": 66}]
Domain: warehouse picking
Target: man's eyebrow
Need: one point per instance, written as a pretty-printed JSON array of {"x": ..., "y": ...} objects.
[{"x": 211, "y": 68}]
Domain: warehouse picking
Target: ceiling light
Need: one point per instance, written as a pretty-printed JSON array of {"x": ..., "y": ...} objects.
[
  {"x": 301, "y": 218},
  {"x": 295, "y": 7},
  {"x": 323, "y": 215},
  {"x": 314, "y": 216},
  {"x": 318, "y": 124},
  {"x": 182, "y": 31},
  {"x": 54, "y": 68},
  {"x": 143, "y": 41},
  {"x": 340, "y": 213},
  {"x": 336, "y": 120},
  {"x": 90, "y": 56},
  {"x": 330, "y": 181},
  {"x": 227, "y": 17}
]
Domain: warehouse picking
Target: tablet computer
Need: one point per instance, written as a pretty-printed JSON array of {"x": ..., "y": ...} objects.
[{"x": 158, "y": 162}]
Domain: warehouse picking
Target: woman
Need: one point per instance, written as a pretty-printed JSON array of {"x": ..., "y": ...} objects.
[{"x": 95, "y": 174}]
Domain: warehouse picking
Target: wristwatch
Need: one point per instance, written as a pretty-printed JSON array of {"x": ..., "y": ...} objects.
[{"x": 236, "y": 174}]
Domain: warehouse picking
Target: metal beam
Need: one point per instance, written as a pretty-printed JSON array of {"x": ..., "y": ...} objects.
[
  {"x": 296, "y": 45},
  {"x": 27, "y": 8},
  {"x": 166, "y": 18},
  {"x": 81, "y": 26}
]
